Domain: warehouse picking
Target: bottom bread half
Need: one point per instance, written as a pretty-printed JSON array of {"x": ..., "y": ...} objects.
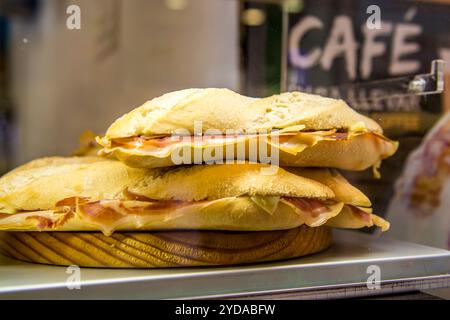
[{"x": 163, "y": 249}]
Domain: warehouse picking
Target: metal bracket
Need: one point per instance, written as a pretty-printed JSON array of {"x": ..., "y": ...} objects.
[{"x": 421, "y": 84}]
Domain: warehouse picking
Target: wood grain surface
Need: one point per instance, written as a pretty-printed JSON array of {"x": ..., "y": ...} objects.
[{"x": 163, "y": 249}]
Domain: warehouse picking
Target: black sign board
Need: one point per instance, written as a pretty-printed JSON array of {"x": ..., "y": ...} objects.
[{"x": 331, "y": 43}]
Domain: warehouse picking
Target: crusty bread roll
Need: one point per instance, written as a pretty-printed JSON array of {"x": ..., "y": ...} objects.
[
  {"x": 310, "y": 120},
  {"x": 223, "y": 109},
  {"x": 39, "y": 185},
  {"x": 163, "y": 249}
]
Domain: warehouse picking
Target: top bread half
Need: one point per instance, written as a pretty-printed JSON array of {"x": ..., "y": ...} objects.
[{"x": 223, "y": 109}]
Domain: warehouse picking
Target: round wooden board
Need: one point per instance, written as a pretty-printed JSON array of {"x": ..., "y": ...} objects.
[{"x": 163, "y": 249}]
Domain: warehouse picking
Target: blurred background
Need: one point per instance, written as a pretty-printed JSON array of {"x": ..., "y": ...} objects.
[
  {"x": 67, "y": 66},
  {"x": 60, "y": 82}
]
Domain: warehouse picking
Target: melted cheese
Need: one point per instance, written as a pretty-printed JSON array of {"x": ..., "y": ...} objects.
[
  {"x": 352, "y": 217},
  {"x": 268, "y": 204}
]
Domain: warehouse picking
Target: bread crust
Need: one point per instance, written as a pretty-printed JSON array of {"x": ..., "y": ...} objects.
[
  {"x": 343, "y": 191},
  {"x": 41, "y": 184},
  {"x": 223, "y": 109}
]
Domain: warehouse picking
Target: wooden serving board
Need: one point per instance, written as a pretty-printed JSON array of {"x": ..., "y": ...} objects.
[{"x": 163, "y": 249}]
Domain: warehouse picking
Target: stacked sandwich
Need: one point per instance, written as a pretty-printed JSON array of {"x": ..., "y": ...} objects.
[{"x": 185, "y": 192}]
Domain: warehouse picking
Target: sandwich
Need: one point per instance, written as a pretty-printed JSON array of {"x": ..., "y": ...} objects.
[
  {"x": 98, "y": 212},
  {"x": 304, "y": 130}
]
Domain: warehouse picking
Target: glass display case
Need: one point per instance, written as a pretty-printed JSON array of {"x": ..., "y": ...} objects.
[{"x": 66, "y": 68}]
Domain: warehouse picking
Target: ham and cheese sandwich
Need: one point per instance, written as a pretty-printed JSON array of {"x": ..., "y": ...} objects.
[
  {"x": 95, "y": 194},
  {"x": 98, "y": 212},
  {"x": 311, "y": 131}
]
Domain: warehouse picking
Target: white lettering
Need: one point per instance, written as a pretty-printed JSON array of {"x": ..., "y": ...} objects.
[
  {"x": 73, "y": 21},
  {"x": 374, "y": 21},
  {"x": 373, "y": 281},
  {"x": 371, "y": 48},
  {"x": 400, "y": 48},
  {"x": 198, "y": 151},
  {"x": 74, "y": 280},
  {"x": 298, "y": 31},
  {"x": 341, "y": 41},
  {"x": 213, "y": 154}
]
